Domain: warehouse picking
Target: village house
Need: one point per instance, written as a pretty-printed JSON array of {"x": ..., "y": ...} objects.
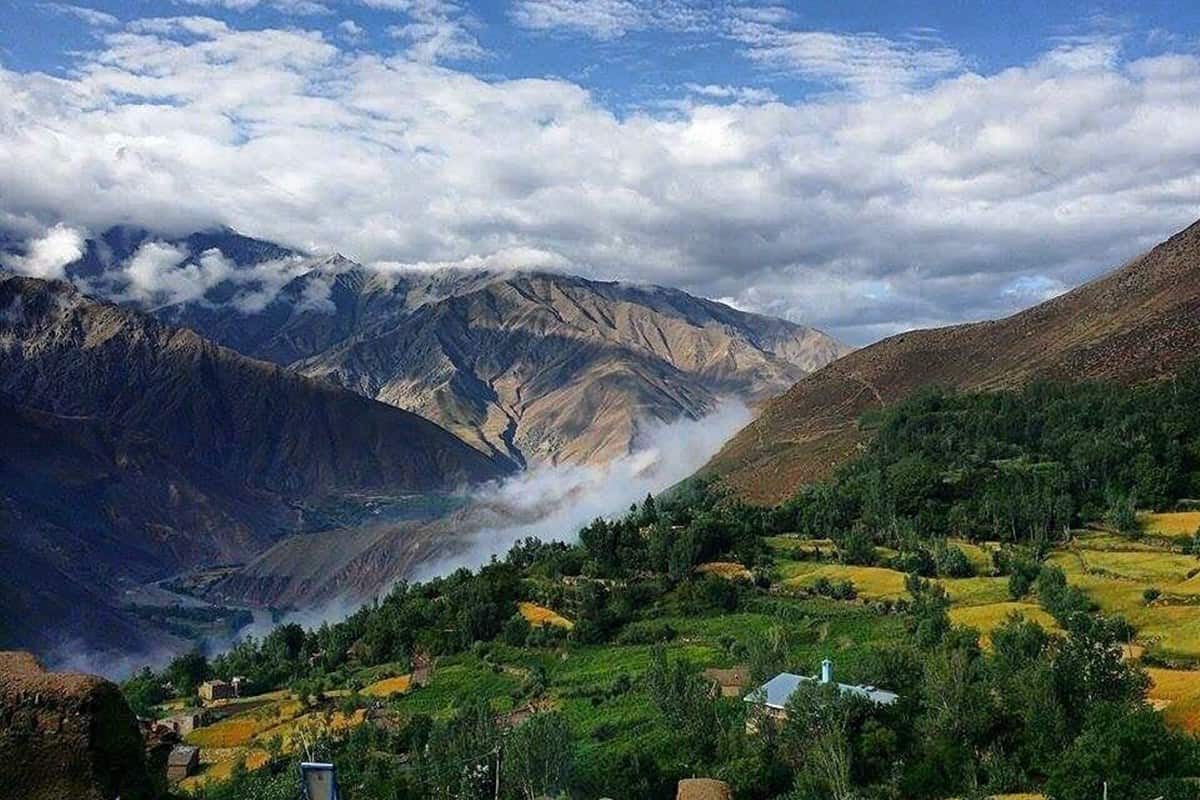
[
  {"x": 184, "y": 722},
  {"x": 183, "y": 761},
  {"x": 772, "y": 697},
  {"x": 216, "y": 690}
]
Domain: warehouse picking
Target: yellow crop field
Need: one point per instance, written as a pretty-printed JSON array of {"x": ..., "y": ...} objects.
[
  {"x": 255, "y": 758},
  {"x": 730, "y": 570},
  {"x": 987, "y": 618},
  {"x": 540, "y": 615},
  {"x": 1172, "y": 628},
  {"x": 980, "y": 556},
  {"x": 874, "y": 583},
  {"x": 1177, "y": 692},
  {"x": 1179, "y": 523},
  {"x": 241, "y": 728},
  {"x": 389, "y": 686},
  {"x": 309, "y": 725}
]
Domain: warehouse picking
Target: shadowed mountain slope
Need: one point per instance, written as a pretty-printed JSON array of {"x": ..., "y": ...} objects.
[
  {"x": 131, "y": 450},
  {"x": 1141, "y": 322},
  {"x": 265, "y": 426}
]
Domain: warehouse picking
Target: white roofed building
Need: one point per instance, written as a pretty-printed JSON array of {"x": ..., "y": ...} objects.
[{"x": 773, "y": 696}]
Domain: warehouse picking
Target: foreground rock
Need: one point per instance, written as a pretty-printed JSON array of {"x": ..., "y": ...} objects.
[{"x": 67, "y": 736}]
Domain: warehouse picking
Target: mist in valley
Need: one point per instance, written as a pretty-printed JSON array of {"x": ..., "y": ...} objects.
[{"x": 550, "y": 503}]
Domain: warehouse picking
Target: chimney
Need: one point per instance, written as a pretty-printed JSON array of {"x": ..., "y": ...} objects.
[{"x": 827, "y": 671}]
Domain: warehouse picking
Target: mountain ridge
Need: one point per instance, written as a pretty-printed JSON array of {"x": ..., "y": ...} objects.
[
  {"x": 469, "y": 348},
  {"x": 1139, "y": 322},
  {"x": 131, "y": 450}
]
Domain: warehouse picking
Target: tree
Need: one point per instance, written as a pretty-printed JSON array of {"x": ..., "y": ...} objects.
[
  {"x": 187, "y": 672},
  {"x": 684, "y": 700},
  {"x": 929, "y": 617},
  {"x": 1134, "y": 752},
  {"x": 538, "y": 756},
  {"x": 815, "y": 737},
  {"x": 144, "y": 690}
]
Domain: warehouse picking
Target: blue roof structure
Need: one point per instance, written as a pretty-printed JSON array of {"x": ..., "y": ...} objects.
[{"x": 776, "y": 692}]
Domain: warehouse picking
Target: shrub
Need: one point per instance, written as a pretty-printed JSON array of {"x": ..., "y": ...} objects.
[
  {"x": 1151, "y": 594},
  {"x": 649, "y": 632},
  {"x": 952, "y": 562},
  {"x": 917, "y": 561}
]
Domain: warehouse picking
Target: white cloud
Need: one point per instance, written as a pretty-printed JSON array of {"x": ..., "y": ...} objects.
[
  {"x": 610, "y": 19},
  {"x": 866, "y": 63},
  {"x": 91, "y": 16},
  {"x": 866, "y": 216},
  {"x": 553, "y": 503},
  {"x": 47, "y": 255},
  {"x": 601, "y": 19},
  {"x": 436, "y": 30},
  {"x": 737, "y": 94},
  {"x": 351, "y": 30},
  {"x": 297, "y": 7}
]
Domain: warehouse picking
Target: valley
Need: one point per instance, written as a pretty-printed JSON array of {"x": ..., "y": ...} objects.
[
  {"x": 318, "y": 484},
  {"x": 618, "y": 400},
  {"x": 1002, "y": 595}
]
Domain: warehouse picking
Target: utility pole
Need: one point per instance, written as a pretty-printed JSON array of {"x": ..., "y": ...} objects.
[{"x": 497, "y": 772}]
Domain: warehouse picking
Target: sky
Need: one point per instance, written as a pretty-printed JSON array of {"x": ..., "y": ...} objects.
[{"x": 863, "y": 167}]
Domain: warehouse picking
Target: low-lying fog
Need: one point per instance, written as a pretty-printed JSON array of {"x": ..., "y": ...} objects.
[{"x": 550, "y": 503}]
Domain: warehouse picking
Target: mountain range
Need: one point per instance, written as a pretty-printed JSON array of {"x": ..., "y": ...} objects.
[
  {"x": 136, "y": 446},
  {"x": 528, "y": 367},
  {"x": 306, "y": 423}
]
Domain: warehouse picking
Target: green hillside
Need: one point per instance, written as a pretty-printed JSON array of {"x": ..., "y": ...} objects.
[{"x": 1011, "y": 565}]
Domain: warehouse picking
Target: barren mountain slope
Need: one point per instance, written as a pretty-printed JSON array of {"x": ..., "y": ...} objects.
[
  {"x": 533, "y": 367},
  {"x": 88, "y": 510},
  {"x": 1138, "y": 323}
]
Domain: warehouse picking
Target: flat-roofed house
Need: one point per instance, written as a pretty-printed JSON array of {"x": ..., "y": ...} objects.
[
  {"x": 183, "y": 722},
  {"x": 216, "y": 690},
  {"x": 182, "y": 762}
]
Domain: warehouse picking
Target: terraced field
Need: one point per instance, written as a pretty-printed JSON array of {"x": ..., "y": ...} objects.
[
  {"x": 730, "y": 570},
  {"x": 389, "y": 686},
  {"x": 1115, "y": 573},
  {"x": 1177, "y": 693},
  {"x": 242, "y": 728},
  {"x": 244, "y": 736},
  {"x": 871, "y": 583},
  {"x": 1179, "y": 523},
  {"x": 986, "y": 618},
  {"x": 540, "y": 615}
]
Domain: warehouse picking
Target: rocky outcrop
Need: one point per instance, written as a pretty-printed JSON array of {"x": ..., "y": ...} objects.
[{"x": 67, "y": 736}]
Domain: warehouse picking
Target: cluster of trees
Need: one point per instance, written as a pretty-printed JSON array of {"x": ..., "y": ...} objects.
[
  {"x": 619, "y": 568},
  {"x": 1063, "y": 712},
  {"x": 1018, "y": 466}
]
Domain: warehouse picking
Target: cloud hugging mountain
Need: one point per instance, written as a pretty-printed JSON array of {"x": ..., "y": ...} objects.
[{"x": 528, "y": 366}]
